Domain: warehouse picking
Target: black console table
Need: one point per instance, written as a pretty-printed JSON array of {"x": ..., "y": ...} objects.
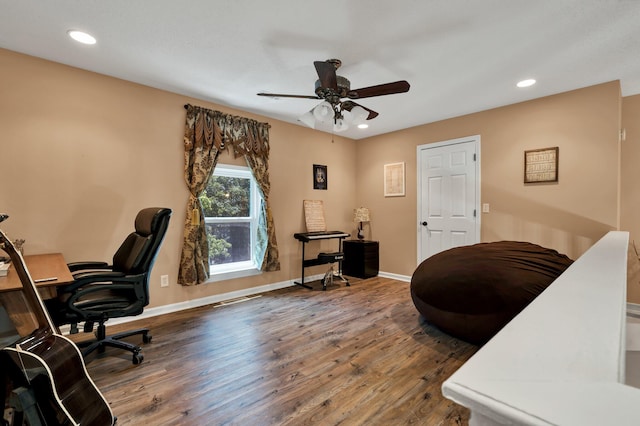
[
  {"x": 360, "y": 258},
  {"x": 323, "y": 258}
]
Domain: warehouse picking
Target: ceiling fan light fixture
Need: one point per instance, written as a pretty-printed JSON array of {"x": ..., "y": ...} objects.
[
  {"x": 323, "y": 112},
  {"x": 359, "y": 115},
  {"x": 332, "y": 88},
  {"x": 347, "y": 116},
  {"x": 340, "y": 125},
  {"x": 309, "y": 119}
]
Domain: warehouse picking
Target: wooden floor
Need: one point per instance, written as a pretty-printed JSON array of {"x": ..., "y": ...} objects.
[{"x": 358, "y": 355}]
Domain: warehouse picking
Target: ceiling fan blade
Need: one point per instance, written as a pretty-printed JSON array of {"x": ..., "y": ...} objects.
[
  {"x": 327, "y": 74},
  {"x": 280, "y": 95},
  {"x": 349, "y": 105},
  {"x": 379, "y": 90}
]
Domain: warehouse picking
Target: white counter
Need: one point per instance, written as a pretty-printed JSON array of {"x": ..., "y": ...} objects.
[{"x": 561, "y": 361}]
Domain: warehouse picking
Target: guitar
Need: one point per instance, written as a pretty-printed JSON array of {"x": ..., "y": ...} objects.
[{"x": 49, "y": 364}]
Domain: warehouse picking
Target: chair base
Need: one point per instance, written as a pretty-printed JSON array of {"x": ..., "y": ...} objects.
[{"x": 103, "y": 341}]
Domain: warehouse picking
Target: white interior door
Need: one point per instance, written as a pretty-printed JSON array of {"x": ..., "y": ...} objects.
[{"x": 448, "y": 195}]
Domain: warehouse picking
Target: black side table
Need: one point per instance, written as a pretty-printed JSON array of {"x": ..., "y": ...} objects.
[{"x": 360, "y": 258}]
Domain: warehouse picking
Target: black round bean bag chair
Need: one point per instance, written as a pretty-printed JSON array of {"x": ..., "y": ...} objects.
[{"x": 471, "y": 292}]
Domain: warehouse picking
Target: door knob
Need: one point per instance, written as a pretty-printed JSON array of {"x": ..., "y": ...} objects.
[{"x": 424, "y": 223}]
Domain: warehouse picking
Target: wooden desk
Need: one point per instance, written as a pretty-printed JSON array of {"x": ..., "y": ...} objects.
[
  {"x": 40, "y": 266},
  {"x": 12, "y": 298}
]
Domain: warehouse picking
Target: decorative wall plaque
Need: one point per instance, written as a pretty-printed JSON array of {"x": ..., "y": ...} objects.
[
  {"x": 394, "y": 180},
  {"x": 541, "y": 165},
  {"x": 319, "y": 176}
]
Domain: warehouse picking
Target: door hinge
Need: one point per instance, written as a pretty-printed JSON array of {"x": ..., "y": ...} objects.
[
  {"x": 474, "y": 157},
  {"x": 474, "y": 212}
]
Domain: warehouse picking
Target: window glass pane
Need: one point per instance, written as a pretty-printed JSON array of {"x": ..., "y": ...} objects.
[
  {"x": 230, "y": 204},
  {"x": 229, "y": 242},
  {"x": 227, "y": 197}
]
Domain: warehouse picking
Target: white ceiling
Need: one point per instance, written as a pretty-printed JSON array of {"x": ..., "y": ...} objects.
[{"x": 460, "y": 56}]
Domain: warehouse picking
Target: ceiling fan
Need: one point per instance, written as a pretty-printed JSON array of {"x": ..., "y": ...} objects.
[{"x": 332, "y": 88}]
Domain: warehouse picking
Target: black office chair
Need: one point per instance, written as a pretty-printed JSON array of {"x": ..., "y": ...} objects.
[{"x": 102, "y": 291}]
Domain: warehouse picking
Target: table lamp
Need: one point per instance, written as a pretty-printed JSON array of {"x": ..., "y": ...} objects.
[{"x": 361, "y": 214}]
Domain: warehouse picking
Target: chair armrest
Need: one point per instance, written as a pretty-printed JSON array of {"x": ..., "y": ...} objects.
[
  {"x": 84, "y": 278},
  {"x": 78, "y": 266}
]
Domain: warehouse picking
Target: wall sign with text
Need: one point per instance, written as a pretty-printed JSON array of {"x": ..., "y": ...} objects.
[{"x": 541, "y": 165}]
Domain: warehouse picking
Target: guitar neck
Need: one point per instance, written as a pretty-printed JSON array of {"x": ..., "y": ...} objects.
[{"x": 37, "y": 308}]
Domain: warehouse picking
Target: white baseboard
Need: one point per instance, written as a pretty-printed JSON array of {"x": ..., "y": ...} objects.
[
  {"x": 633, "y": 309},
  {"x": 209, "y": 300},
  {"x": 217, "y": 298},
  {"x": 196, "y": 303},
  {"x": 398, "y": 277}
]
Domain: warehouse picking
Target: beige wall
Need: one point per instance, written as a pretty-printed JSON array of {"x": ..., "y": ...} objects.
[
  {"x": 630, "y": 189},
  {"x": 82, "y": 153},
  {"x": 569, "y": 215}
]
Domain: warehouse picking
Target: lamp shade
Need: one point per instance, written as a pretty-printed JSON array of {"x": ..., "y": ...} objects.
[
  {"x": 359, "y": 115},
  {"x": 308, "y": 119},
  {"x": 361, "y": 214},
  {"x": 340, "y": 125},
  {"x": 323, "y": 112}
]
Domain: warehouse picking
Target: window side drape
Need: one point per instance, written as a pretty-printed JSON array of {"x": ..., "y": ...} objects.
[
  {"x": 207, "y": 132},
  {"x": 202, "y": 145},
  {"x": 258, "y": 161},
  {"x": 250, "y": 139}
]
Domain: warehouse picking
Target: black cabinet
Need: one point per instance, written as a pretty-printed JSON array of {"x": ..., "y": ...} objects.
[{"x": 360, "y": 258}]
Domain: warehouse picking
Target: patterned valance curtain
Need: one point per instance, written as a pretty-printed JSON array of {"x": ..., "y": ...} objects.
[{"x": 207, "y": 132}]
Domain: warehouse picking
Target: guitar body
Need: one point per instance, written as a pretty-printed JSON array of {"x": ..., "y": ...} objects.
[{"x": 51, "y": 365}]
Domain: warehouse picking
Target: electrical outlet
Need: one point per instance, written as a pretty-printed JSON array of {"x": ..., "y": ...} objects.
[
  {"x": 485, "y": 208},
  {"x": 164, "y": 280}
]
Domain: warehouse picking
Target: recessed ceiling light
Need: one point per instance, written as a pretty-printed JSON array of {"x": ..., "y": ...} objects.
[
  {"x": 81, "y": 37},
  {"x": 526, "y": 83},
  {"x": 363, "y": 126}
]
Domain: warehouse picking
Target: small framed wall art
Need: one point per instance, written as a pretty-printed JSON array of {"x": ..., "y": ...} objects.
[
  {"x": 319, "y": 176},
  {"x": 394, "y": 180},
  {"x": 541, "y": 165}
]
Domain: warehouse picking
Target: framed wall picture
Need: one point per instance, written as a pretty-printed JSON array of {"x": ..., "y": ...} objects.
[
  {"x": 394, "y": 180},
  {"x": 319, "y": 176},
  {"x": 541, "y": 165}
]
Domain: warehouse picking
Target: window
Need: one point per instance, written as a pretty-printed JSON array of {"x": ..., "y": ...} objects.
[{"x": 232, "y": 204}]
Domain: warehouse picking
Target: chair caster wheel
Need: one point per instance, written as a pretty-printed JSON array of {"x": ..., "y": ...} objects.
[
  {"x": 146, "y": 338},
  {"x": 137, "y": 359}
]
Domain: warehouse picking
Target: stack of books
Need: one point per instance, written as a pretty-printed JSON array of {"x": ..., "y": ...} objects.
[{"x": 4, "y": 268}]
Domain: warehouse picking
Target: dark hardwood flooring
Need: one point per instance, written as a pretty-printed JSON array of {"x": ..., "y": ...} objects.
[{"x": 358, "y": 355}]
